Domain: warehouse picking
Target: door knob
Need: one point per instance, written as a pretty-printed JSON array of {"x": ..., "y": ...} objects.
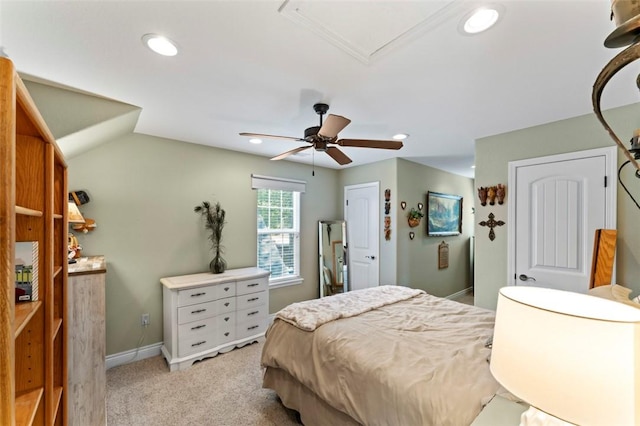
[
  {"x": 523, "y": 277},
  {"x": 371, "y": 257}
]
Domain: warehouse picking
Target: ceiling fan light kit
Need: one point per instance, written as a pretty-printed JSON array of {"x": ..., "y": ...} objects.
[{"x": 323, "y": 138}]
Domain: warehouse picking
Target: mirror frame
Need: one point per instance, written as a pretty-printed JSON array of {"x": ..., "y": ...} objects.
[{"x": 325, "y": 241}]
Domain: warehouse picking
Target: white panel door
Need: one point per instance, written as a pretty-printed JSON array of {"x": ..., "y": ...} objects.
[
  {"x": 558, "y": 207},
  {"x": 361, "y": 212}
]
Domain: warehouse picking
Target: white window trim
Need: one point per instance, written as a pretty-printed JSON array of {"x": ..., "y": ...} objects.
[
  {"x": 285, "y": 282},
  {"x": 297, "y": 187}
]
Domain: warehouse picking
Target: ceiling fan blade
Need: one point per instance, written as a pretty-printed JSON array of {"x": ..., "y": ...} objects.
[
  {"x": 332, "y": 126},
  {"x": 261, "y": 135},
  {"x": 368, "y": 143},
  {"x": 288, "y": 153},
  {"x": 338, "y": 155}
]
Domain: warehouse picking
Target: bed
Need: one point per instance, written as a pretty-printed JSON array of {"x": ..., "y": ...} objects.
[{"x": 390, "y": 355}]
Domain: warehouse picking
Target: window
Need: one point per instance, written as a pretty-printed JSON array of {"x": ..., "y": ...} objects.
[{"x": 278, "y": 245}]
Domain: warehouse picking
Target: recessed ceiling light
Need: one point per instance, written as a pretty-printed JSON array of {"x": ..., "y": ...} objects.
[
  {"x": 160, "y": 44},
  {"x": 480, "y": 20},
  {"x": 400, "y": 136},
  {"x": 255, "y": 141}
]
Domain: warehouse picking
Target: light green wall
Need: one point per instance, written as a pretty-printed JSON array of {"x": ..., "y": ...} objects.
[
  {"x": 418, "y": 258},
  {"x": 415, "y": 263},
  {"x": 143, "y": 190},
  {"x": 577, "y": 134},
  {"x": 385, "y": 172},
  {"x": 86, "y": 110}
]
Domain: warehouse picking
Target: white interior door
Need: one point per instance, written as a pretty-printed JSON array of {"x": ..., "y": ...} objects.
[
  {"x": 558, "y": 203},
  {"x": 361, "y": 211}
]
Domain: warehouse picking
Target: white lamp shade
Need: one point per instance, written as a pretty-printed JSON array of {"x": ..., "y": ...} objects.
[{"x": 571, "y": 355}]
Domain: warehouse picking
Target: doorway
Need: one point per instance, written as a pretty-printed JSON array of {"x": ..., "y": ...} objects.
[
  {"x": 557, "y": 203},
  {"x": 361, "y": 212}
]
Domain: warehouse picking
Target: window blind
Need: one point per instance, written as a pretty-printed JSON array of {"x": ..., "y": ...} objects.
[{"x": 269, "y": 182}]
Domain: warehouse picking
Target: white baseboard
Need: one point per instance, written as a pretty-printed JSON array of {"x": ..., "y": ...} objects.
[
  {"x": 460, "y": 293},
  {"x": 133, "y": 355}
]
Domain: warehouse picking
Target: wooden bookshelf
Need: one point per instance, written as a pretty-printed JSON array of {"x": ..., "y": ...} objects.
[{"x": 33, "y": 205}]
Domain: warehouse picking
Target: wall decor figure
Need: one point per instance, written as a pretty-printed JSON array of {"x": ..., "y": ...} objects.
[
  {"x": 501, "y": 192},
  {"x": 491, "y": 194},
  {"x": 482, "y": 195},
  {"x": 420, "y": 206},
  {"x": 491, "y": 223},
  {"x": 387, "y": 211},
  {"x": 403, "y": 204},
  {"x": 412, "y": 235}
]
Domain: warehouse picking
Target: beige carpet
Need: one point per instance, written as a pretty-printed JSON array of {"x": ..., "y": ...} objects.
[{"x": 221, "y": 391}]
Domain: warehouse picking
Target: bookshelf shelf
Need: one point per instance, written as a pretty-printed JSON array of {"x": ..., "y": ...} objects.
[
  {"x": 57, "y": 325},
  {"x": 24, "y": 312},
  {"x": 27, "y": 406},
  {"x": 57, "y": 399}
]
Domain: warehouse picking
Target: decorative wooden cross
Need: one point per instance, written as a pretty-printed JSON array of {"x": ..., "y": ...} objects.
[{"x": 491, "y": 223}]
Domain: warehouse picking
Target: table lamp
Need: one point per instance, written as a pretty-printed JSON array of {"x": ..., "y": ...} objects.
[{"x": 574, "y": 358}]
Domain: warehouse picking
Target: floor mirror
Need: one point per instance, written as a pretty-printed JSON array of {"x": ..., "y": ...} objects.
[{"x": 332, "y": 254}]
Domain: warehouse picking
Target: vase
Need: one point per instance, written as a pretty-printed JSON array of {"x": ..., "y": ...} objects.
[
  {"x": 218, "y": 264},
  {"x": 413, "y": 222}
]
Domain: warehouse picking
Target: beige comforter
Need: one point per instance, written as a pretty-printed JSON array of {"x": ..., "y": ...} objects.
[{"x": 421, "y": 361}]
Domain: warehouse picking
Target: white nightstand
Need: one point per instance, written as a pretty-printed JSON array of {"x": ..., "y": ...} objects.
[{"x": 500, "y": 412}]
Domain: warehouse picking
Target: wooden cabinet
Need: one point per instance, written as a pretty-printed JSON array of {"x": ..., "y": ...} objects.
[
  {"x": 87, "y": 347},
  {"x": 33, "y": 207},
  {"x": 206, "y": 314}
]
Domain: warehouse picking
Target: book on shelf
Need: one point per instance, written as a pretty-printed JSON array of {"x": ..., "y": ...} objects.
[{"x": 26, "y": 268}]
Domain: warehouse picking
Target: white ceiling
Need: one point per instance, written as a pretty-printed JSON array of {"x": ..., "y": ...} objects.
[{"x": 389, "y": 66}]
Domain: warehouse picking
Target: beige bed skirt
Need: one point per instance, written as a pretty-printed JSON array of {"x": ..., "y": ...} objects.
[{"x": 296, "y": 396}]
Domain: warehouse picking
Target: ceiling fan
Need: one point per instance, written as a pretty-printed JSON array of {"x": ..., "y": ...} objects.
[{"x": 324, "y": 136}]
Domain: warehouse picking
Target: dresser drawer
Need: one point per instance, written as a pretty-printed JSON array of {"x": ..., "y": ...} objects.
[
  {"x": 251, "y": 328},
  {"x": 196, "y": 312},
  {"x": 251, "y": 314},
  {"x": 225, "y": 290},
  {"x": 226, "y": 328},
  {"x": 197, "y": 328},
  {"x": 196, "y": 343},
  {"x": 252, "y": 286},
  {"x": 226, "y": 305},
  {"x": 197, "y": 295},
  {"x": 251, "y": 300}
]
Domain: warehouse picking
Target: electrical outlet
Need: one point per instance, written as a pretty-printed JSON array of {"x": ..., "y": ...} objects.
[{"x": 144, "y": 320}]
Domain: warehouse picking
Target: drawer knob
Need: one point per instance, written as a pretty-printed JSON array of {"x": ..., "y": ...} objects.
[
  {"x": 226, "y": 334},
  {"x": 226, "y": 289},
  {"x": 198, "y": 294},
  {"x": 199, "y": 343},
  {"x": 226, "y": 304},
  {"x": 252, "y": 327},
  {"x": 197, "y": 311},
  {"x": 198, "y": 326},
  {"x": 253, "y": 285},
  {"x": 253, "y": 299},
  {"x": 253, "y": 313},
  {"x": 226, "y": 319}
]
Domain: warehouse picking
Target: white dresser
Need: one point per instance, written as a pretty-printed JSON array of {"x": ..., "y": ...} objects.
[{"x": 207, "y": 314}]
